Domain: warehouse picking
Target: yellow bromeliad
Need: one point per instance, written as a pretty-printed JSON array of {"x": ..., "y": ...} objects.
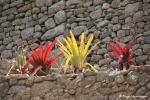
[{"x": 75, "y": 55}]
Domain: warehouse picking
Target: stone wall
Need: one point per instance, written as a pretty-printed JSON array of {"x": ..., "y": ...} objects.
[
  {"x": 85, "y": 86},
  {"x": 32, "y": 21}
]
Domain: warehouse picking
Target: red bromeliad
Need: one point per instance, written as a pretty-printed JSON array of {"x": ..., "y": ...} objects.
[
  {"x": 124, "y": 55},
  {"x": 40, "y": 59}
]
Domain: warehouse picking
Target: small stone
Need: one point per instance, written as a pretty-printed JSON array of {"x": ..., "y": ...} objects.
[
  {"x": 6, "y": 54},
  {"x": 105, "y": 6},
  {"x": 97, "y": 2},
  {"x": 35, "y": 45},
  {"x": 35, "y": 98},
  {"x": 7, "y": 40},
  {"x": 130, "y": 9},
  {"x": 141, "y": 59},
  {"x": 101, "y": 51},
  {"x": 50, "y": 23},
  {"x": 37, "y": 28},
  {"x": 138, "y": 16},
  {"x": 126, "y": 39},
  {"x": 40, "y": 3},
  {"x": 107, "y": 39},
  {"x": 60, "y": 17},
  {"x": 25, "y": 34},
  {"x": 104, "y": 61},
  {"x": 56, "y": 7},
  {"x": 43, "y": 9},
  {"x": 60, "y": 29},
  {"x": 50, "y": 34},
  {"x": 37, "y": 34},
  {"x": 4, "y": 89},
  {"x": 148, "y": 85},
  {"x": 119, "y": 79},
  {"x": 102, "y": 23},
  {"x": 96, "y": 14},
  {"x": 115, "y": 3},
  {"x": 35, "y": 10},
  {"x": 48, "y": 2},
  {"x": 43, "y": 19},
  {"x": 141, "y": 91},
  {"x": 116, "y": 27},
  {"x": 44, "y": 87},
  {"x": 132, "y": 78},
  {"x": 147, "y": 39},
  {"x": 138, "y": 52},
  {"x": 146, "y": 48},
  {"x": 73, "y": 2},
  {"x": 95, "y": 58},
  {"x": 79, "y": 29},
  {"x": 128, "y": 20},
  {"x": 10, "y": 45},
  {"x": 115, "y": 20},
  {"x": 16, "y": 89}
]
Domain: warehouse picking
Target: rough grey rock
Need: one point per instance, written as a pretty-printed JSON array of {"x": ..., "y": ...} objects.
[
  {"x": 41, "y": 3},
  {"x": 60, "y": 29},
  {"x": 50, "y": 23},
  {"x": 130, "y": 9},
  {"x": 44, "y": 87},
  {"x": 35, "y": 10},
  {"x": 2, "y": 35},
  {"x": 115, "y": 3},
  {"x": 146, "y": 48},
  {"x": 141, "y": 59},
  {"x": 95, "y": 58},
  {"x": 5, "y": 24},
  {"x": 10, "y": 46},
  {"x": 79, "y": 29},
  {"x": 50, "y": 34},
  {"x": 115, "y": 20},
  {"x": 4, "y": 89},
  {"x": 141, "y": 91},
  {"x": 105, "y": 6},
  {"x": 133, "y": 78},
  {"x": 6, "y": 54},
  {"x": 138, "y": 16},
  {"x": 96, "y": 14},
  {"x": 101, "y": 51},
  {"x": 126, "y": 39},
  {"x": 2, "y": 47},
  {"x": 116, "y": 27},
  {"x": 119, "y": 79},
  {"x": 102, "y": 23},
  {"x": 25, "y": 34},
  {"x": 7, "y": 40},
  {"x": 37, "y": 28},
  {"x": 37, "y": 34},
  {"x": 60, "y": 17},
  {"x": 138, "y": 52},
  {"x": 56, "y": 7},
  {"x": 16, "y": 89},
  {"x": 72, "y": 2},
  {"x": 10, "y": 11},
  {"x": 97, "y": 2},
  {"x": 43, "y": 19}
]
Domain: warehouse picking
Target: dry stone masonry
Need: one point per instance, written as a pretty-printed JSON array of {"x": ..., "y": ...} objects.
[
  {"x": 32, "y": 21},
  {"x": 133, "y": 84}
]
